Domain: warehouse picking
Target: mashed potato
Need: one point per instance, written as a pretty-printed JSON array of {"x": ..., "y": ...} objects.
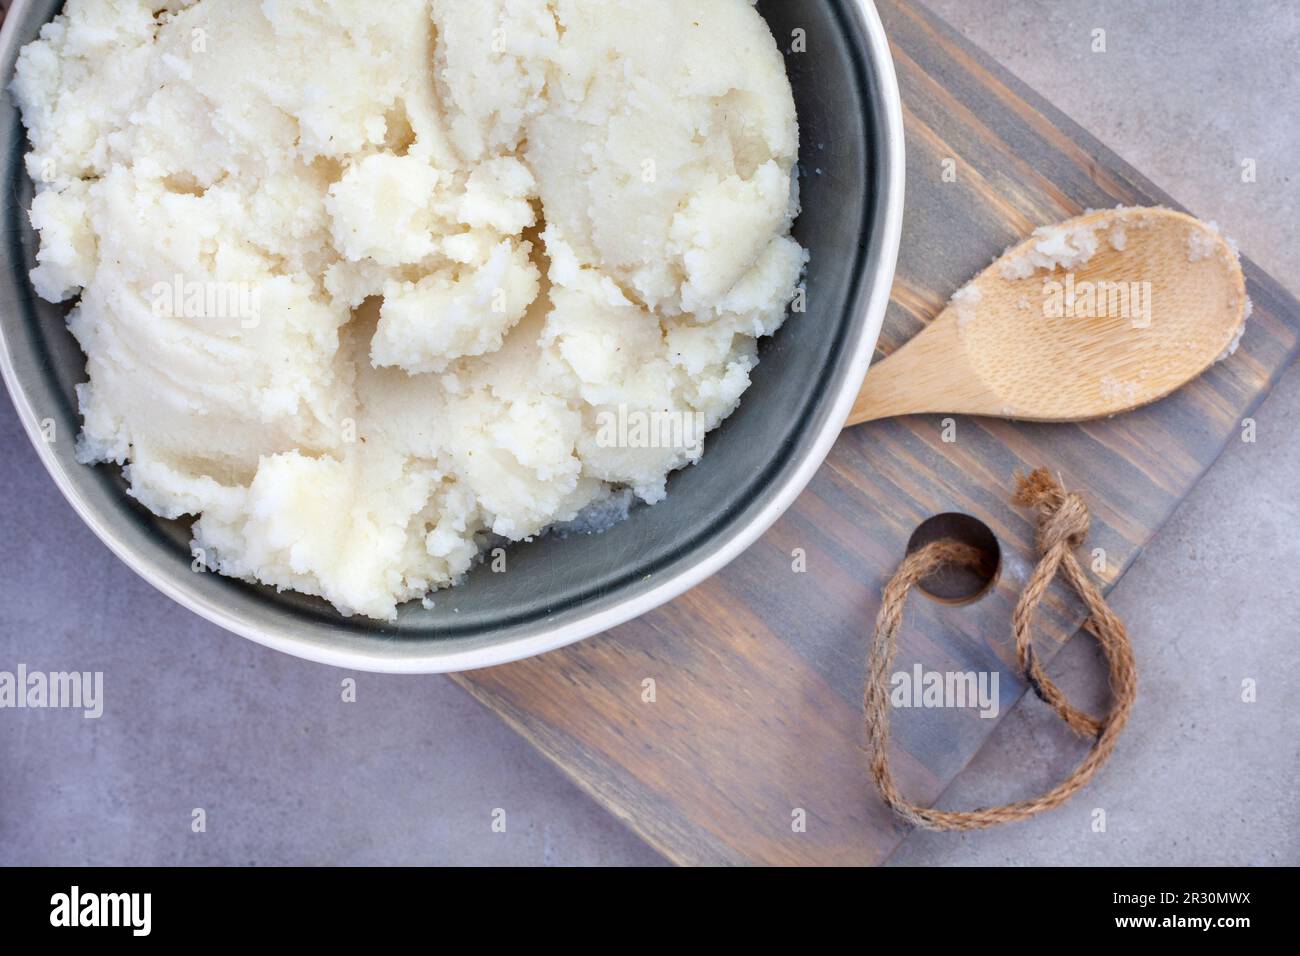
[{"x": 360, "y": 284}]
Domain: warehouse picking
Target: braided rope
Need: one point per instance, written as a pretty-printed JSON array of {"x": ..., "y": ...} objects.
[{"x": 1062, "y": 525}]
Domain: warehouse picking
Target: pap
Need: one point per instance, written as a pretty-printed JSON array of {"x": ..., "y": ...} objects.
[{"x": 362, "y": 284}]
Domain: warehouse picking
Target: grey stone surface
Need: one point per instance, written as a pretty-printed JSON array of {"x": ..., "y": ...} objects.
[
  {"x": 1186, "y": 91},
  {"x": 411, "y": 773},
  {"x": 285, "y": 771}
]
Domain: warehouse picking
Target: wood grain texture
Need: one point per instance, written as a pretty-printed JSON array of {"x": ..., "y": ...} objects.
[
  {"x": 1016, "y": 348},
  {"x": 759, "y": 670}
]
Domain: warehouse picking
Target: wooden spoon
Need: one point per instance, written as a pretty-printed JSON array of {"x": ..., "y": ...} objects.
[{"x": 1160, "y": 299}]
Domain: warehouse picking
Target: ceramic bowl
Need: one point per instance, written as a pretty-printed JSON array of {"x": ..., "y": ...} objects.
[{"x": 558, "y": 590}]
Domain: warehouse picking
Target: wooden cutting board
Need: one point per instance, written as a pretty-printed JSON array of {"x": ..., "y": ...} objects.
[{"x": 758, "y": 672}]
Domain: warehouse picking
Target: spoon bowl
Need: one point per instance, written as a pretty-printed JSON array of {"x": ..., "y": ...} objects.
[{"x": 1095, "y": 316}]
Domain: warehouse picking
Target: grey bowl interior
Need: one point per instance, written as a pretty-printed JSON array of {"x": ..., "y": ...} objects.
[{"x": 552, "y": 583}]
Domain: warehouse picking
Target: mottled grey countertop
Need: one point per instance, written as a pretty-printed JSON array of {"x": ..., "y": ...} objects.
[{"x": 286, "y": 771}]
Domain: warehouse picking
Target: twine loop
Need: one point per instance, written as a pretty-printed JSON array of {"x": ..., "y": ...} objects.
[{"x": 1062, "y": 526}]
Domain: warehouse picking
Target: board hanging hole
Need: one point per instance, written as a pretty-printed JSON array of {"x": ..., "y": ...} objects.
[{"x": 955, "y": 583}]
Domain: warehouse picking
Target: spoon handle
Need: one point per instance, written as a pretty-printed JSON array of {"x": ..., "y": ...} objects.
[{"x": 928, "y": 374}]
